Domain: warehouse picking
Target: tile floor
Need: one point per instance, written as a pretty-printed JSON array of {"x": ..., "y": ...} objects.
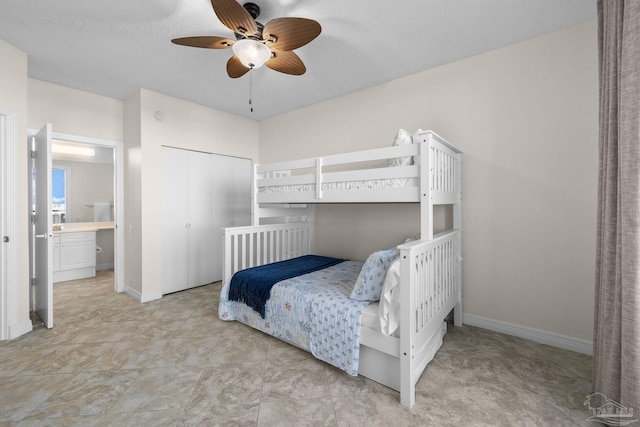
[{"x": 112, "y": 361}]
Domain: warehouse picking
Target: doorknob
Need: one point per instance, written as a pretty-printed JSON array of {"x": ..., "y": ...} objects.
[{"x": 187, "y": 225}]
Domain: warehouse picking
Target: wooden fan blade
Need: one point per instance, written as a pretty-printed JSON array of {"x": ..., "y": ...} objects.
[
  {"x": 286, "y": 62},
  {"x": 291, "y": 33},
  {"x": 235, "y": 68},
  {"x": 234, "y": 16},
  {"x": 208, "y": 42}
]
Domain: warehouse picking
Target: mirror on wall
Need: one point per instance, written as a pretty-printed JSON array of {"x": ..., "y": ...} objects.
[
  {"x": 58, "y": 199},
  {"x": 82, "y": 182}
]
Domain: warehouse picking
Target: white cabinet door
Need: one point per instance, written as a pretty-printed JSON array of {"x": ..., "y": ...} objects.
[
  {"x": 175, "y": 219},
  {"x": 77, "y": 250},
  {"x": 56, "y": 253},
  {"x": 74, "y": 255}
]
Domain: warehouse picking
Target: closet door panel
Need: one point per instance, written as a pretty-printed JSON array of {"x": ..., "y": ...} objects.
[
  {"x": 200, "y": 228},
  {"x": 174, "y": 219},
  {"x": 222, "y": 207},
  {"x": 241, "y": 197}
]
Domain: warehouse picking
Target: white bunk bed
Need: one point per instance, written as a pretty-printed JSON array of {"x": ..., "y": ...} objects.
[{"x": 430, "y": 268}]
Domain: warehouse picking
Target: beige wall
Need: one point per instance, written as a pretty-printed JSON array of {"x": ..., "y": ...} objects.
[
  {"x": 184, "y": 125},
  {"x": 526, "y": 117},
  {"x": 132, "y": 197},
  {"x": 74, "y": 112},
  {"x": 13, "y": 98}
]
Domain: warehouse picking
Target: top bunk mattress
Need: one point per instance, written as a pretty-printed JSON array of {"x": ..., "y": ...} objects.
[{"x": 369, "y": 184}]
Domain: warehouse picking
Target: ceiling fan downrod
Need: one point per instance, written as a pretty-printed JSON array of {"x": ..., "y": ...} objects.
[{"x": 253, "y": 9}]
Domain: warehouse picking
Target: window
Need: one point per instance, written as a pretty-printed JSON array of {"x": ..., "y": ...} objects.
[{"x": 59, "y": 195}]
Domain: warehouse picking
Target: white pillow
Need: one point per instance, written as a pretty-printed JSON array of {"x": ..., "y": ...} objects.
[
  {"x": 374, "y": 271},
  {"x": 403, "y": 137},
  {"x": 415, "y": 139},
  {"x": 389, "y": 307}
]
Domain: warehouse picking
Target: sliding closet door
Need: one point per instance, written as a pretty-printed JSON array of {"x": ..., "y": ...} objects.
[
  {"x": 241, "y": 192},
  {"x": 222, "y": 207},
  {"x": 175, "y": 219},
  {"x": 200, "y": 229},
  {"x": 202, "y": 193}
]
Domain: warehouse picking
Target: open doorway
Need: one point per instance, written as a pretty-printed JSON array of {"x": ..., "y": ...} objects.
[{"x": 86, "y": 209}]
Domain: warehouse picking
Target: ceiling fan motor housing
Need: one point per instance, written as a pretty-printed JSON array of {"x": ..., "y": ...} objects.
[{"x": 253, "y": 9}]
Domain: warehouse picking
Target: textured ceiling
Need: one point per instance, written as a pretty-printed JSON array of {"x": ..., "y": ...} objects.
[{"x": 114, "y": 47}]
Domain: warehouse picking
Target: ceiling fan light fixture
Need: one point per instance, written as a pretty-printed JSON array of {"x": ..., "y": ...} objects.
[
  {"x": 252, "y": 53},
  {"x": 71, "y": 149}
]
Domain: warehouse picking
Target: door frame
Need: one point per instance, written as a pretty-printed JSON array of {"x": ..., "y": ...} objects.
[
  {"x": 8, "y": 225},
  {"x": 118, "y": 197}
]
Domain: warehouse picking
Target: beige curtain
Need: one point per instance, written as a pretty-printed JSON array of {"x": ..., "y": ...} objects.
[{"x": 616, "y": 353}]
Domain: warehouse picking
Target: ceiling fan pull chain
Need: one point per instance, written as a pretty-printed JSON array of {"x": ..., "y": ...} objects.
[{"x": 251, "y": 89}]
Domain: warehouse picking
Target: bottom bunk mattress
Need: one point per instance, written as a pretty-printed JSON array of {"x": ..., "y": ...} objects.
[{"x": 312, "y": 311}]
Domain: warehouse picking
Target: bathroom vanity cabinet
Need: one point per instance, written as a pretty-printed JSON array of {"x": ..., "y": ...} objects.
[{"x": 74, "y": 255}]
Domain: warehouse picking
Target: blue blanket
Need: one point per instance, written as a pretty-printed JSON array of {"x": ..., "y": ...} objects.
[{"x": 253, "y": 285}]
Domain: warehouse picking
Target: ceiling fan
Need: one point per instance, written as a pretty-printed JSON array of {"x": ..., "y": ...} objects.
[{"x": 256, "y": 44}]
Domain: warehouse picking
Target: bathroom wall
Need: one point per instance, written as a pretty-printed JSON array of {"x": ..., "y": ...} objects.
[{"x": 89, "y": 183}]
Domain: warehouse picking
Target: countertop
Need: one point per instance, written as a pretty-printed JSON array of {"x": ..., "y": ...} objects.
[{"x": 74, "y": 227}]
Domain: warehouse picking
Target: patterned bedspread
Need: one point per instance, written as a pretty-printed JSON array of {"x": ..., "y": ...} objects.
[{"x": 313, "y": 312}]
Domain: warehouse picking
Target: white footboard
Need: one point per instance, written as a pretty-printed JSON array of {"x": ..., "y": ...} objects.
[
  {"x": 251, "y": 246},
  {"x": 430, "y": 287}
]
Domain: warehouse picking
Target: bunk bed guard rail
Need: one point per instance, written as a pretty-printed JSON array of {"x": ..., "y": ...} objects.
[
  {"x": 433, "y": 177},
  {"x": 252, "y": 246},
  {"x": 430, "y": 286}
]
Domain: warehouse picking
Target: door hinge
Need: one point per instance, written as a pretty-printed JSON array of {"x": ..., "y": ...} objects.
[
  {"x": 5, "y": 239},
  {"x": 33, "y": 218},
  {"x": 33, "y": 154}
]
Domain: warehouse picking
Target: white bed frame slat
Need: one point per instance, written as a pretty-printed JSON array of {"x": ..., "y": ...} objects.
[{"x": 430, "y": 268}]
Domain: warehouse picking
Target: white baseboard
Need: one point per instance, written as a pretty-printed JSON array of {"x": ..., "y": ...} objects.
[
  {"x": 133, "y": 293},
  {"x": 120, "y": 287},
  {"x": 543, "y": 337},
  {"x": 151, "y": 296},
  {"x": 19, "y": 329},
  {"x": 142, "y": 298}
]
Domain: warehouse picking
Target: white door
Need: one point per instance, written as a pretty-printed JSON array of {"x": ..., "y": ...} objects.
[
  {"x": 241, "y": 192},
  {"x": 222, "y": 208},
  {"x": 202, "y": 193},
  {"x": 43, "y": 226},
  {"x": 175, "y": 219},
  {"x": 200, "y": 231}
]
